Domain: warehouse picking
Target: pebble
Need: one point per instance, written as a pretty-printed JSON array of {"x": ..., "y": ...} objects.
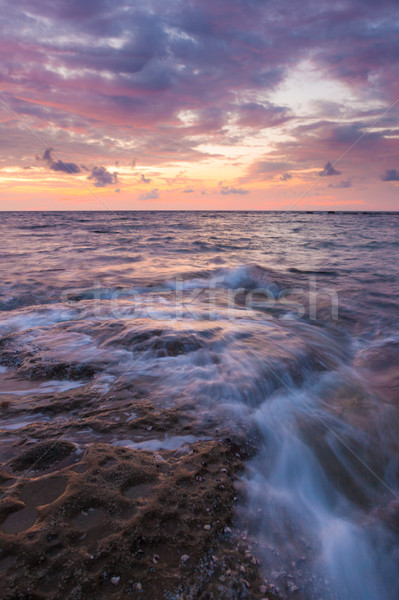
[
  {"x": 155, "y": 559},
  {"x": 115, "y": 580},
  {"x": 184, "y": 558},
  {"x": 207, "y": 527},
  {"x": 149, "y": 428},
  {"x": 227, "y": 530}
]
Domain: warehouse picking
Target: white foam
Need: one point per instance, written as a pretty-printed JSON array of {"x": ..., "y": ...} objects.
[
  {"x": 168, "y": 443},
  {"x": 48, "y": 387}
]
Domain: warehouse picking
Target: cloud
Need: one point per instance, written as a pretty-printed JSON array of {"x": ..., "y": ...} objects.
[
  {"x": 285, "y": 177},
  {"x": 268, "y": 169},
  {"x": 58, "y": 165},
  {"x": 102, "y": 177},
  {"x": 188, "y": 191},
  {"x": 254, "y": 114},
  {"x": 342, "y": 184},
  {"x": 226, "y": 190},
  {"x": 174, "y": 82},
  {"x": 390, "y": 175},
  {"x": 152, "y": 195},
  {"x": 329, "y": 170},
  {"x": 144, "y": 179}
]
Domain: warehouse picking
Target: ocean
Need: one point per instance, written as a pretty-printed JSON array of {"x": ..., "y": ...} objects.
[{"x": 163, "y": 332}]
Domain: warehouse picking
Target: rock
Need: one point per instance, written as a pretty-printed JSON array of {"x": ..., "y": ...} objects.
[
  {"x": 115, "y": 580},
  {"x": 184, "y": 558},
  {"x": 207, "y": 527},
  {"x": 227, "y": 530},
  {"x": 42, "y": 455}
]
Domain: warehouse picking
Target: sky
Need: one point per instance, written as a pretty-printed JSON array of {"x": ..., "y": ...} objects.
[{"x": 199, "y": 104}]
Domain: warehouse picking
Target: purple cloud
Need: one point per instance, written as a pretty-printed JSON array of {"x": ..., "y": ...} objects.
[
  {"x": 178, "y": 77},
  {"x": 102, "y": 177},
  {"x": 391, "y": 175},
  {"x": 225, "y": 190},
  {"x": 328, "y": 170},
  {"x": 58, "y": 165},
  {"x": 152, "y": 195}
]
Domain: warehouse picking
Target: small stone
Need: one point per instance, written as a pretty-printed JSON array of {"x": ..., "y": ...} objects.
[
  {"x": 227, "y": 530},
  {"x": 115, "y": 580},
  {"x": 159, "y": 458},
  {"x": 138, "y": 587},
  {"x": 254, "y": 560},
  {"x": 262, "y": 589},
  {"x": 207, "y": 527},
  {"x": 184, "y": 558},
  {"x": 242, "y": 569},
  {"x": 149, "y": 428},
  {"x": 275, "y": 574},
  {"x": 223, "y": 470},
  {"x": 155, "y": 559}
]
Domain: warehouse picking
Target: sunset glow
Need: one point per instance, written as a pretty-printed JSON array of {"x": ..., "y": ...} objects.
[{"x": 199, "y": 105}]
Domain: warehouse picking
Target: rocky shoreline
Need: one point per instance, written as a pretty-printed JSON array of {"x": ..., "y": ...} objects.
[{"x": 97, "y": 520}]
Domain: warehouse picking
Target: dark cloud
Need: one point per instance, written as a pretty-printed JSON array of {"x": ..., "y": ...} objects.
[
  {"x": 329, "y": 170},
  {"x": 285, "y": 177},
  {"x": 390, "y": 175},
  {"x": 188, "y": 191},
  {"x": 102, "y": 177},
  {"x": 58, "y": 165}
]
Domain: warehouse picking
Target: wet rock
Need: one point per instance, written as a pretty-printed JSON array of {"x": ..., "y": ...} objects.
[
  {"x": 185, "y": 558},
  {"x": 42, "y": 455}
]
